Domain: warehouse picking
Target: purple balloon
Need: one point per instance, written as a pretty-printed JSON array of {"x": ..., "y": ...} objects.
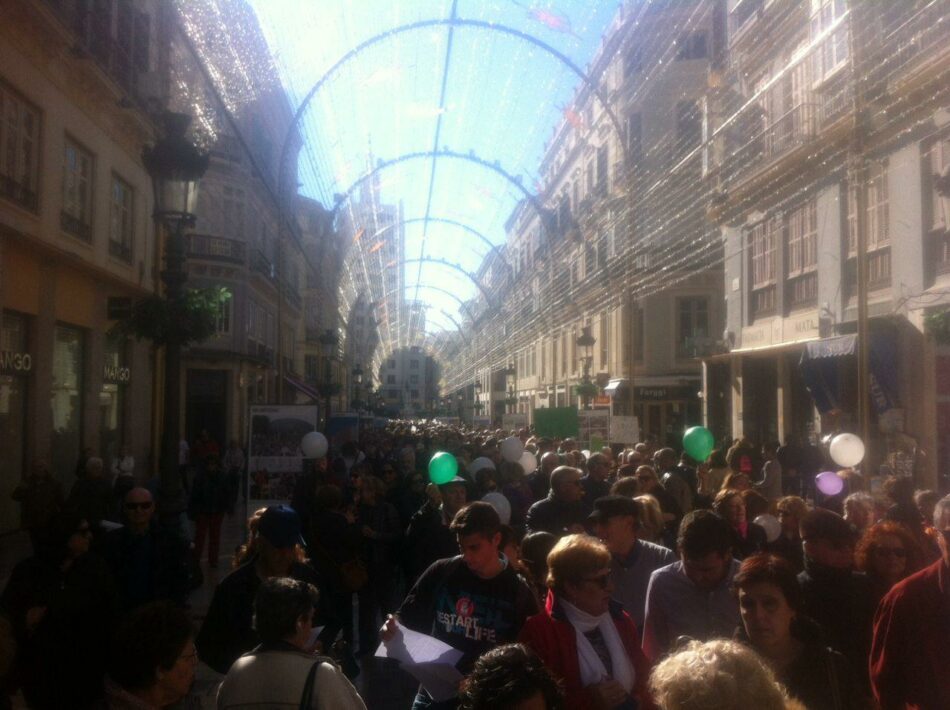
[{"x": 829, "y": 483}]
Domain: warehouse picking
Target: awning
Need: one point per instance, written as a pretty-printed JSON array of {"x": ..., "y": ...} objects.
[
  {"x": 819, "y": 369},
  {"x": 304, "y": 389},
  {"x": 614, "y": 386}
]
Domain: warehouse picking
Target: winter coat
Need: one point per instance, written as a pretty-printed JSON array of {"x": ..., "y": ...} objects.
[
  {"x": 755, "y": 540},
  {"x": 92, "y": 499},
  {"x": 428, "y": 539},
  {"x": 40, "y": 499},
  {"x": 210, "y": 493},
  {"x": 551, "y": 636},
  {"x": 555, "y": 516},
  {"x": 147, "y": 567}
]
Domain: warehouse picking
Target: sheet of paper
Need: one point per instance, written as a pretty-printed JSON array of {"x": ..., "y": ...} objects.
[
  {"x": 314, "y": 635},
  {"x": 428, "y": 660},
  {"x": 439, "y": 679},
  {"x": 409, "y": 646}
]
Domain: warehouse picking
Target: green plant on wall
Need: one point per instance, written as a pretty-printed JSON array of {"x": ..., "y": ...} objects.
[
  {"x": 937, "y": 324},
  {"x": 586, "y": 389},
  {"x": 192, "y": 319}
]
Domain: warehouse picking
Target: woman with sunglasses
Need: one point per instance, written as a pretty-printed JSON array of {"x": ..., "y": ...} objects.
[
  {"x": 583, "y": 636},
  {"x": 887, "y": 553},
  {"x": 61, "y": 603}
]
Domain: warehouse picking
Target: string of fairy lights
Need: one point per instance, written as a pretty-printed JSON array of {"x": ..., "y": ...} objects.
[{"x": 668, "y": 204}]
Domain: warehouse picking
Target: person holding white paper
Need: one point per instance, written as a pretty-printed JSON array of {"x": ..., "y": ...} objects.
[{"x": 473, "y": 602}]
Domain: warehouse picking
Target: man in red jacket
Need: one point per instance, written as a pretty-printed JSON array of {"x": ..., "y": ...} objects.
[{"x": 910, "y": 657}]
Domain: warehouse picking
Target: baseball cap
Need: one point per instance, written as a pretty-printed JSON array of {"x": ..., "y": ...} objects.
[
  {"x": 613, "y": 506},
  {"x": 280, "y": 526},
  {"x": 457, "y": 479}
]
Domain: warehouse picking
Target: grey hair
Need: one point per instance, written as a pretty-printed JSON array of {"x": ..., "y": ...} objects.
[{"x": 940, "y": 511}]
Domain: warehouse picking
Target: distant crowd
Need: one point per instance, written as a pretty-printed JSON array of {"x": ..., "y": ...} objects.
[{"x": 621, "y": 578}]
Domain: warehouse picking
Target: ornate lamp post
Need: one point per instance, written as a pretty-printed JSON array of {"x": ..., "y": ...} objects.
[
  {"x": 175, "y": 166},
  {"x": 357, "y": 386},
  {"x": 328, "y": 342},
  {"x": 586, "y": 342}
]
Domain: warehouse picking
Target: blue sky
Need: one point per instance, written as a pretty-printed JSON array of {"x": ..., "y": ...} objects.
[{"x": 503, "y": 97}]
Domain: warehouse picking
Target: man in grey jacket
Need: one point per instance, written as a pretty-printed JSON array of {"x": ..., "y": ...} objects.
[{"x": 283, "y": 671}]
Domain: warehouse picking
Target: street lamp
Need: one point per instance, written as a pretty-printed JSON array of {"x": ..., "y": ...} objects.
[
  {"x": 586, "y": 342},
  {"x": 175, "y": 166},
  {"x": 357, "y": 382},
  {"x": 328, "y": 342}
]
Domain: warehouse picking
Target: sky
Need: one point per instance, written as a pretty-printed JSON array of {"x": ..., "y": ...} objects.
[{"x": 502, "y": 98}]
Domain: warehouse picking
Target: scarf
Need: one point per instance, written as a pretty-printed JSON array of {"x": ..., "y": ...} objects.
[{"x": 591, "y": 667}]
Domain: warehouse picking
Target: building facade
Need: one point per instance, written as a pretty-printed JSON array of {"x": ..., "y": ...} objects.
[{"x": 76, "y": 234}]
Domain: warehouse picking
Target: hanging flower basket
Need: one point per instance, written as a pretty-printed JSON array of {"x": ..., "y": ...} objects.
[{"x": 586, "y": 389}]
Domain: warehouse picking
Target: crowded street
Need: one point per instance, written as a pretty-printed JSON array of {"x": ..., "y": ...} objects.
[{"x": 475, "y": 354}]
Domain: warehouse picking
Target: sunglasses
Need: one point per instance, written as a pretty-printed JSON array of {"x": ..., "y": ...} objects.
[
  {"x": 601, "y": 580},
  {"x": 144, "y": 505}
]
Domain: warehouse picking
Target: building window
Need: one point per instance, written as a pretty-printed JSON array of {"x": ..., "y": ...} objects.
[
  {"x": 763, "y": 239},
  {"x": 413, "y": 379},
  {"x": 632, "y": 61},
  {"x": 638, "y": 335},
  {"x": 233, "y": 212},
  {"x": 563, "y": 215},
  {"x": 222, "y": 325},
  {"x": 689, "y": 125},
  {"x": 635, "y": 136},
  {"x": 878, "y": 234},
  {"x": 604, "y": 341},
  {"x": 830, "y": 29},
  {"x": 390, "y": 379},
  {"x": 603, "y": 170},
  {"x": 413, "y": 364},
  {"x": 76, "y": 216},
  {"x": 15, "y": 366},
  {"x": 112, "y": 400},
  {"x": 311, "y": 367},
  {"x": 940, "y": 202},
  {"x": 802, "y": 279},
  {"x": 691, "y": 46},
  {"x": 413, "y": 394},
  {"x": 121, "y": 220},
  {"x": 66, "y": 400},
  {"x": 19, "y": 149},
  {"x": 692, "y": 325}
]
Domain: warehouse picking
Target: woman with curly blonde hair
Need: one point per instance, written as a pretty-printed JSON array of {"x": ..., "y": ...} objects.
[
  {"x": 887, "y": 553},
  {"x": 717, "y": 675}
]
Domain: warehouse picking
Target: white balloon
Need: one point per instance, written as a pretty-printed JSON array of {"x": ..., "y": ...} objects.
[
  {"x": 511, "y": 449},
  {"x": 314, "y": 445},
  {"x": 773, "y": 528},
  {"x": 847, "y": 450},
  {"x": 480, "y": 463},
  {"x": 528, "y": 462},
  {"x": 500, "y": 504}
]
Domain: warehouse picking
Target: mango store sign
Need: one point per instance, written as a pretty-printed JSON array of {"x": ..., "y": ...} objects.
[
  {"x": 116, "y": 375},
  {"x": 11, "y": 361}
]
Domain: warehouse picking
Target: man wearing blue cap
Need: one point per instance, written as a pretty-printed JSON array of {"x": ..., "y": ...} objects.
[{"x": 227, "y": 631}]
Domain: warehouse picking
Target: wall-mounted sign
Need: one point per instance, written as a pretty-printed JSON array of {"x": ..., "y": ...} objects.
[
  {"x": 113, "y": 374},
  {"x": 15, "y": 362}
]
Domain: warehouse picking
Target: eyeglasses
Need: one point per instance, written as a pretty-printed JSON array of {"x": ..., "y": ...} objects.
[
  {"x": 143, "y": 505},
  {"x": 601, "y": 580},
  {"x": 898, "y": 552}
]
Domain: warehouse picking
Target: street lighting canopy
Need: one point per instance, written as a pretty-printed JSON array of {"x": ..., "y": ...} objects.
[
  {"x": 329, "y": 341},
  {"x": 358, "y": 374},
  {"x": 175, "y": 165}
]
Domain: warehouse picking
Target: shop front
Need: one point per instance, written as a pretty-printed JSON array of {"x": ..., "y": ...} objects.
[
  {"x": 666, "y": 407},
  {"x": 16, "y": 366}
]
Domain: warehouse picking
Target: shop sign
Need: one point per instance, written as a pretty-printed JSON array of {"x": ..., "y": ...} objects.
[
  {"x": 802, "y": 327},
  {"x": 11, "y": 361},
  {"x": 602, "y": 400},
  {"x": 114, "y": 374},
  {"x": 660, "y": 394}
]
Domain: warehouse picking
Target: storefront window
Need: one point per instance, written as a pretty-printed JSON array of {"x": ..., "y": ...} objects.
[
  {"x": 66, "y": 400},
  {"x": 115, "y": 376},
  {"x": 15, "y": 366}
]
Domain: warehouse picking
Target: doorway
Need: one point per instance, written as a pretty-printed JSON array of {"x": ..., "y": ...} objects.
[{"x": 206, "y": 405}]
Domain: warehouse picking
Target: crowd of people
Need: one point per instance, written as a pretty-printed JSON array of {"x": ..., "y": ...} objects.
[{"x": 624, "y": 578}]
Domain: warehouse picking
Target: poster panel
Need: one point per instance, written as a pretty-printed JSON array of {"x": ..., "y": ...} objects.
[
  {"x": 594, "y": 428},
  {"x": 557, "y": 422},
  {"x": 624, "y": 430},
  {"x": 274, "y": 457}
]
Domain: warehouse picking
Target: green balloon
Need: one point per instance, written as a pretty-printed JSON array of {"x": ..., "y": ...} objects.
[
  {"x": 442, "y": 467},
  {"x": 698, "y": 442}
]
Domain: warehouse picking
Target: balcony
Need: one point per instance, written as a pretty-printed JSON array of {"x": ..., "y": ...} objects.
[
  {"x": 212, "y": 248},
  {"x": 75, "y": 226},
  {"x": 292, "y": 296},
  {"x": 120, "y": 251},
  {"x": 791, "y": 130},
  {"x": 18, "y": 193},
  {"x": 912, "y": 39}
]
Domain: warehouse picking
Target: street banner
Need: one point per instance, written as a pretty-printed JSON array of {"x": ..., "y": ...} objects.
[
  {"x": 557, "y": 422},
  {"x": 594, "y": 429},
  {"x": 624, "y": 430},
  {"x": 274, "y": 456},
  {"x": 343, "y": 428},
  {"x": 514, "y": 421}
]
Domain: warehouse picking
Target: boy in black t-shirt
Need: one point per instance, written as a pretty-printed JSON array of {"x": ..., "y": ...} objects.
[{"x": 472, "y": 602}]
